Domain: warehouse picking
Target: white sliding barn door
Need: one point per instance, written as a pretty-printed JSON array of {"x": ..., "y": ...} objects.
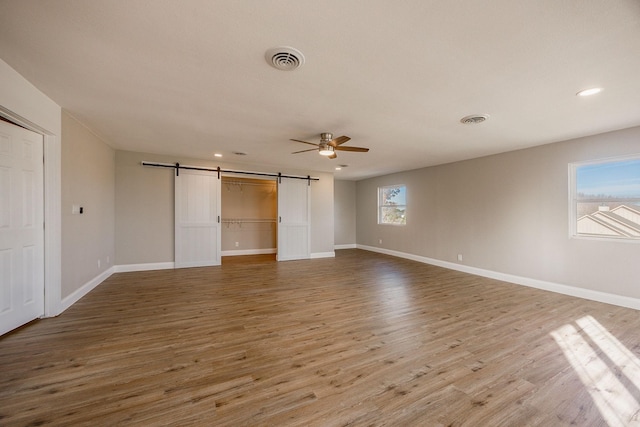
[
  {"x": 197, "y": 220},
  {"x": 21, "y": 227},
  {"x": 293, "y": 219}
]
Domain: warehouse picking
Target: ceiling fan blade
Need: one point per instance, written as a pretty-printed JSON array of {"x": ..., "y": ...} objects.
[
  {"x": 304, "y": 151},
  {"x": 304, "y": 142},
  {"x": 339, "y": 140},
  {"x": 333, "y": 156},
  {"x": 358, "y": 149}
]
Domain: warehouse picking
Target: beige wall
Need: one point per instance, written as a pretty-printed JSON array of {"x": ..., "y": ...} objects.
[
  {"x": 88, "y": 168},
  {"x": 507, "y": 213},
  {"x": 321, "y": 214},
  {"x": 344, "y": 212},
  {"x": 145, "y": 209}
]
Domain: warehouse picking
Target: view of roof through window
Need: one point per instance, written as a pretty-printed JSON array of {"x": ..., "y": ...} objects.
[{"x": 608, "y": 199}]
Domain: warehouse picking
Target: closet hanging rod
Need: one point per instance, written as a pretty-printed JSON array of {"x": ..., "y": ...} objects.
[
  {"x": 241, "y": 220},
  {"x": 178, "y": 166},
  {"x": 262, "y": 183}
]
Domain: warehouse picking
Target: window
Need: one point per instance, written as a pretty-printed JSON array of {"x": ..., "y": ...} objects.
[
  {"x": 605, "y": 198},
  {"x": 392, "y": 205}
]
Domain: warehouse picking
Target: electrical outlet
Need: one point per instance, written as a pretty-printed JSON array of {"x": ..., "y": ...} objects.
[
  {"x": 98, "y": 263},
  {"x": 108, "y": 259},
  {"x": 459, "y": 257},
  {"x": 380, "y": 241},
  {"x": 237, "y": 244}
]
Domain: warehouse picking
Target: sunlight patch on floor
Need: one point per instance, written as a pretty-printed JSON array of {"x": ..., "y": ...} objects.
[{"x": 614, "y": 400}]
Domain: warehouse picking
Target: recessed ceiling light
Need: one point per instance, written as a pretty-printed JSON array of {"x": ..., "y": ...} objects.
[
  {"x": 217, "y": 155},
  {"x": 338, "y": 168},
  {"x": 589, "y": 92}
]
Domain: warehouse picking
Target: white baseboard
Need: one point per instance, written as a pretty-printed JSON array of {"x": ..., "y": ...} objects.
[
  {"x": 589, "y": 294},
  {"x": 249, "y": 252},
  {"x": 75, "y": 296},
  {"x": 322, "y": 255},
  {"x": 349, "y": 246},
  {"x": 125, "y": 268}
]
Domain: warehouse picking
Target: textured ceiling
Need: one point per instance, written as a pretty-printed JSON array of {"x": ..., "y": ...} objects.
[{"x": 189, "y": 78}]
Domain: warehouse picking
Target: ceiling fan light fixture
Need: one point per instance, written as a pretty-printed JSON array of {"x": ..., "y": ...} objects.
[{"x": 326, "y": 149}]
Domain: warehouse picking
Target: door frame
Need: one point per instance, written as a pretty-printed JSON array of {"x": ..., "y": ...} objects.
[
  {"x": 52, "y": 170},
  {"x": 25, "y": 233},
  {"x": 256, "y": 177}
]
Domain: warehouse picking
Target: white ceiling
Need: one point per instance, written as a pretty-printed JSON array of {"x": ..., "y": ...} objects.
[{"x": 189, "y": 77}]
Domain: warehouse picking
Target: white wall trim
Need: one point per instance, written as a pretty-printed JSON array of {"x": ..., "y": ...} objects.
[
  {"x": 589, "y": 294},
  {"x": 348, "y": 246},
  {"x": 249, "y": 252},
  {"x": 125, "y": 268},
  {"x": 322, "y": 255},
  {"x": 53, "y": 304},
  {"x": 75, "y": 296}
]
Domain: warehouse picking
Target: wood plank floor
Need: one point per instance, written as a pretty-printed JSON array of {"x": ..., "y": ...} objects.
[{"x": 360, "y": 340}]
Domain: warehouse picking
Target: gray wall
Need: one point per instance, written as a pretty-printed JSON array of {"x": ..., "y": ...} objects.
[
  {"x": 88, "y": 168},
  {"x": 145, "y": 210},
  {"x": 507, "y": 213},
  {"x": 344, "y": 212}
]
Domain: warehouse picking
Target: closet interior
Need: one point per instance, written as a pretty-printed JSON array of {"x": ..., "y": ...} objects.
[{"x": 249, "y": 216}]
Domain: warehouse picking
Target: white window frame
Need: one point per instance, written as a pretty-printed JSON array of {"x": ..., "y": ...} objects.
[
  {"x": 573, "y": 199},
  {"x": 380, "y": 205}
]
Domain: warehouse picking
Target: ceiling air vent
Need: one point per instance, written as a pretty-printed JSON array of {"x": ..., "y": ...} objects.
[
  {"x": 474, "y": 119},
  {"x": 284, "y": 58}
]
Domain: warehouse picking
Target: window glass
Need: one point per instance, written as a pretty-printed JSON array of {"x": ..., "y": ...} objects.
[
  {"x": 606, "y": 199},
  {"x": 392, "y": 204}
]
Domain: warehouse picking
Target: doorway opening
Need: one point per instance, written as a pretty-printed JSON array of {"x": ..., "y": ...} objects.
[{"x": 249, "y": 220}]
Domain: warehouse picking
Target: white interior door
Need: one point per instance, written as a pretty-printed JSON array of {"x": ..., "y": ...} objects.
[
  {"x": 21, "y": 227},
  {"x": 294, "y": 209},
  {"x": 197, "y": 219}
]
